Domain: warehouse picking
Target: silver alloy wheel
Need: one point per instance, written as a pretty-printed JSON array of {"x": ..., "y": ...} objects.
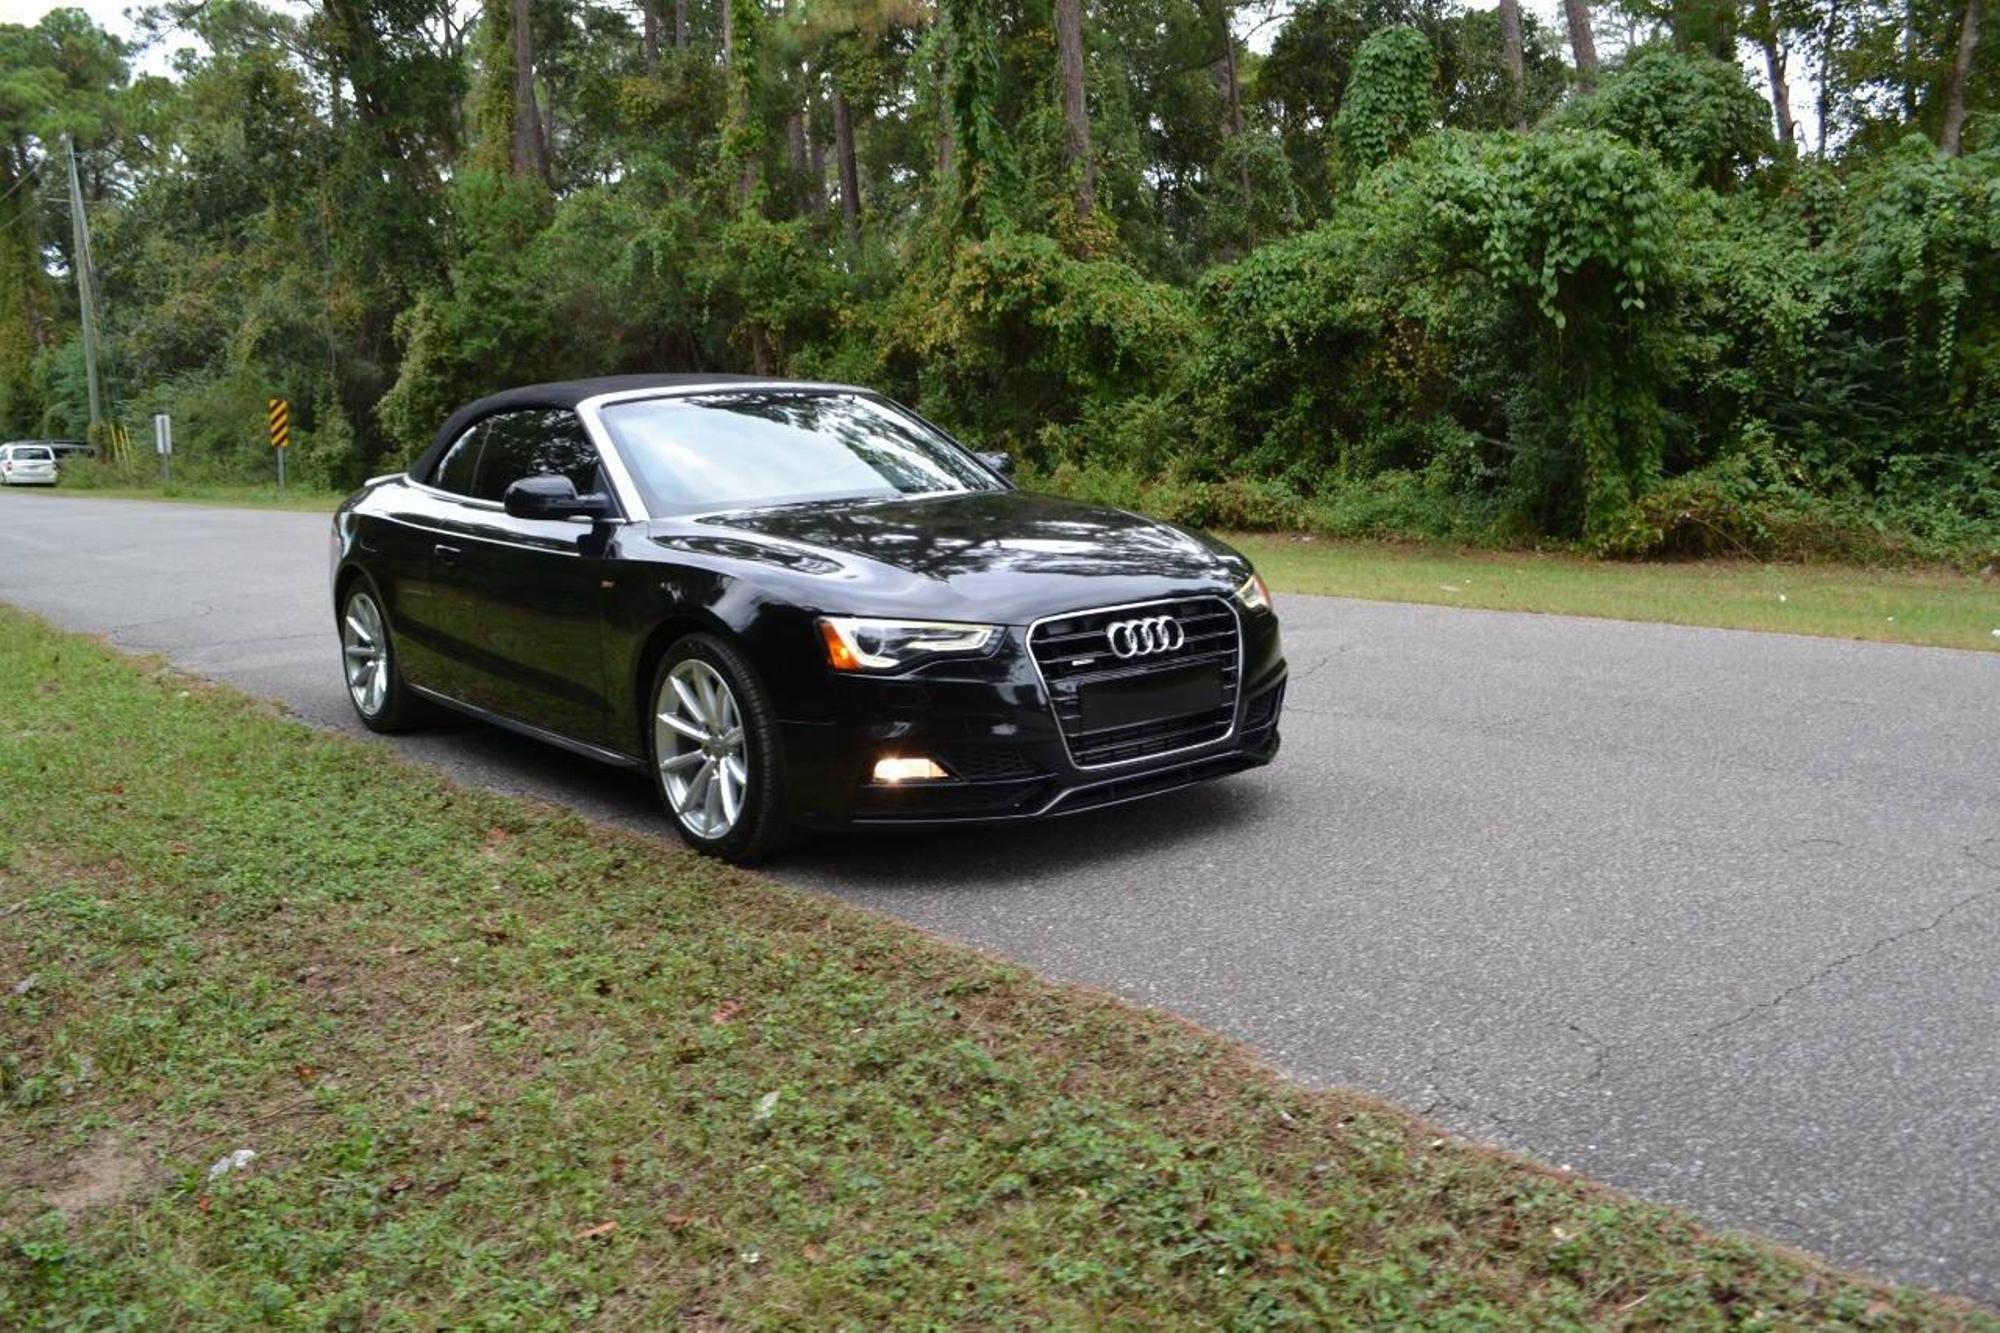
[
  {"x": 698, "y": 742},
  {"x": 364, "y": 650}
]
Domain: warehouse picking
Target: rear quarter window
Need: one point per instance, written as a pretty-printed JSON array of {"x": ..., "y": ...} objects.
[{"x": 455, "y": 471}]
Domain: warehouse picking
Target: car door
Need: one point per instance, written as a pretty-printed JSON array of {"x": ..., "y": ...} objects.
[
  {"x": 416, "y": 551},
  {"x": 535, "y": 586}
]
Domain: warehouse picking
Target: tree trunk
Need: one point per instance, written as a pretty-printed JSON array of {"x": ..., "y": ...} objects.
[
  {"x": 815, "y": 171},
  {"x": 1076, "y": 110},
  {"x": 680, "y": 25},
  {"x": 944, "y": 108},
  {"x": 1232, "y": 88},
  {"x": 1774, "y": 67},
  {"x": 530, "y": 156},
  {"x": 850, "y": 172},
  {"x": 1582, "y": 45},
  {"x": 1515, "y": 65},
  {"x": 1781, "y": 91},
  {"x": 736, "y": 134},
  {"x": 651, "y": 9},
  {"x": 1952, "y": 131},
  {"x": 1825, "y": 102},
  {"x": 1911, "y": 79},
  {"x": 796, "y": 157}
]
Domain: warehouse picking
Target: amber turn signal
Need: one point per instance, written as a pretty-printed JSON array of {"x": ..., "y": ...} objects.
[{"x": 838, "y": 655}]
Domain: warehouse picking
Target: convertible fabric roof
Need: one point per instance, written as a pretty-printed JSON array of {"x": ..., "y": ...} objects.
[{"x": 559, "y": 393}]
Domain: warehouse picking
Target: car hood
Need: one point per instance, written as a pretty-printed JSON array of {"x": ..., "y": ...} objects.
[{"x": 995, "y": 555}]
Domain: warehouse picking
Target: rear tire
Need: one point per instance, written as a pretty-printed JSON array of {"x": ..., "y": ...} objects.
[
  {"x": 715, "y": 752},
  {"x": 369, "y": 667}
]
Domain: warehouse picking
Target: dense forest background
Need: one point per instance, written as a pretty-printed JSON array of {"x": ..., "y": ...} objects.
[{"x": 1367, "y": 266}]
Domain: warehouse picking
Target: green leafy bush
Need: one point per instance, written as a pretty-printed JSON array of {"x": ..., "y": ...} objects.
[
  {"x": 1391, "y": 97},
  {"x": 1699, "y": 114}
]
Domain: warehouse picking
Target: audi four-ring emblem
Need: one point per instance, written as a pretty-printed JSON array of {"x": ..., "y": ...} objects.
[{"x": 1143, "y": 638}]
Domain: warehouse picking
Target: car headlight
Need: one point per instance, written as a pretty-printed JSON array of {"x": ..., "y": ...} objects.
[
  {"x": 1253, "y": 595},
  {"x": 855, "y": 643}
]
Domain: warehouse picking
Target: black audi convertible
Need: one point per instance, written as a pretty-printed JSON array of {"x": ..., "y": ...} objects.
[{"x": 796, "y": 606}]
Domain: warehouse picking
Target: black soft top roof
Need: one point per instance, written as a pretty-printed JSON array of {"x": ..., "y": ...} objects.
[{"x": 560, "y": 393}]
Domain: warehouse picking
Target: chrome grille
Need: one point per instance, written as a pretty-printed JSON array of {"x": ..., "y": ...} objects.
[{"x": 1073, "y": 652}]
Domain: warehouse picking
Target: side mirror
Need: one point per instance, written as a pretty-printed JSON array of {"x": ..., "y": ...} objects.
[
  {"x": 553, "y": 497},
  {"x": 1001, "y": 463}
]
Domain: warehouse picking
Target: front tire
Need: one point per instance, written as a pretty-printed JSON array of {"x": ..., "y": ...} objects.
[
  {"x": 718, "y": 762},
  {"x": 368, "y": 664}
]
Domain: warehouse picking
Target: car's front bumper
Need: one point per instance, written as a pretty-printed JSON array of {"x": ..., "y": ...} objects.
[{"x": 993, "y": 729}]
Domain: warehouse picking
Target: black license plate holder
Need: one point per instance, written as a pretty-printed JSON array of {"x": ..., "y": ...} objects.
[{"x": 1152, "y": 697}]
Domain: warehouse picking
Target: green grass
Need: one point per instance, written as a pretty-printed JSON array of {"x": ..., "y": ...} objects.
[
  {"x": 505, "y": 1067},
  {"x": 1894, "y": 606},
  {"x": 261, "y": 496}
]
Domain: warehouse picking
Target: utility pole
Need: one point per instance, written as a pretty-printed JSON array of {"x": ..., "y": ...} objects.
[{"x": 80, "y": 226}]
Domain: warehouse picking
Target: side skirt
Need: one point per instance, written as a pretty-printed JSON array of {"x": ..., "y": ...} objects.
[{"x": 530, "y": 730}]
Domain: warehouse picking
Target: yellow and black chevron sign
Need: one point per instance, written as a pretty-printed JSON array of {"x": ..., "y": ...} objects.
[{"x": 281, "y": 423}]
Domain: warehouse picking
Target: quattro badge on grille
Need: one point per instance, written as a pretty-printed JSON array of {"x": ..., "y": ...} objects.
[{"x": 1145, "y": 637}]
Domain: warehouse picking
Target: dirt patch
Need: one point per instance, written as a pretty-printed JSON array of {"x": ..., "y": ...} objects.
[{"x": 108, "y": 1171}]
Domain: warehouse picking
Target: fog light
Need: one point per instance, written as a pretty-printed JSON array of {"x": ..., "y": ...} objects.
[{"x": 908, "y": 770}]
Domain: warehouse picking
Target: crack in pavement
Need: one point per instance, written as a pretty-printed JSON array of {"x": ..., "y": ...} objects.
[
  {"x": 191, "y": 611},
  {"x": 1857, "y": 955},
  {"x": 1318, "y": 664},
  {"x": 270, "y": 638}
]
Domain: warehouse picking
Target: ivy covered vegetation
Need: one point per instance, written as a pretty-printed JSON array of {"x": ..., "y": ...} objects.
[{"x": 1391, "y": 267}]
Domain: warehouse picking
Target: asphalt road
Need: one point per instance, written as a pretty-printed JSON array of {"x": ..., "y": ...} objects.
[{"x": 1713, "y": 916}]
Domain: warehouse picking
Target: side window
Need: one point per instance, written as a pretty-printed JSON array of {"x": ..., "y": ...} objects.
[
  {"x": 540, "y": 442},
  {"x": 454, "y": 472}
]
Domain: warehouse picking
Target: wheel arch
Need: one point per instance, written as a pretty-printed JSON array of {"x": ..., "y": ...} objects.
[
  {"x": 664, "y": 634},
  {"x": 344, "y": 581}
]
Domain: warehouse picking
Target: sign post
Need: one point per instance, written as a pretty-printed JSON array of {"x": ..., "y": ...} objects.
[
  {"x": 281, "y": 435},
  {"x": 163, "y": 444}
]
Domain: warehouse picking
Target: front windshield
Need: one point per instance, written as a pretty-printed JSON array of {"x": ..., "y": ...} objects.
[{"x": 746, "y": 450}]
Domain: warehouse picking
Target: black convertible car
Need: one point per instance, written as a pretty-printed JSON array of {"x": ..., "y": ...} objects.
[{"x": 796, "y": 605}]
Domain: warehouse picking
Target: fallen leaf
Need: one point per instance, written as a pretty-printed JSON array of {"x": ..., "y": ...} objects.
[
  {"x": 399, "y": 1184},
  {"x": 726, "y": 1011},
  {"x": 304, "y": 1073},
  {"x": 592, "y": 1233},
  {"x": 766, "y": 1104},
  {"x": 813, "y": 1253},
  {"x": 679, "y": 1221}
]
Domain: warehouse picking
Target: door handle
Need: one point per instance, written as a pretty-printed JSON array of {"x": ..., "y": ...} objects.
[{"x": 446, "y": 553}]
